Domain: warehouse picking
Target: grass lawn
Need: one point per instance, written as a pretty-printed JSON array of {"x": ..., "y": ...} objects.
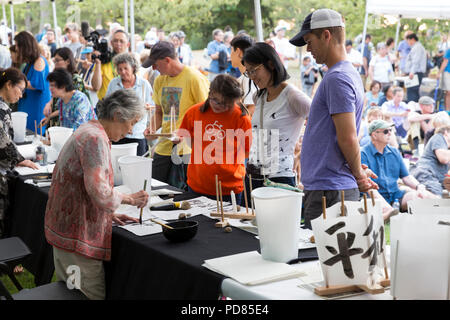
[{"x": 26, "y": 279}]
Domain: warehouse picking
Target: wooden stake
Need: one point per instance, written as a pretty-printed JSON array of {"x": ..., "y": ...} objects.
[
  {"x": 342, "y": 204},
  {"x": 221, "y": 200},
  {"x": 365, "y": 203},
  {"x": 223, "y": 223},
  {"x": 324, "y": 207},
  {"x": 245, "y": 197},
  {"x": 251, "y": 189},
  {"x": 217, "y": 193},
  {"x": 372, "y": 197}
]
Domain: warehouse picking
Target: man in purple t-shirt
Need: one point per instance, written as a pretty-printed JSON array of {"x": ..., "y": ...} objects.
[{"x": 330, "y": 156}]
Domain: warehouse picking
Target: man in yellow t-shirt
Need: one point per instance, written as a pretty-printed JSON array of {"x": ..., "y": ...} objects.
[
  {"x": 177, "y": 88},
  {"x": 104, "y": 73}
]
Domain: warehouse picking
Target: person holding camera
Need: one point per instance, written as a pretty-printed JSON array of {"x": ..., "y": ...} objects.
[
  {"x": 105, "y": 72},
  {"x": 309, "y": 75}
]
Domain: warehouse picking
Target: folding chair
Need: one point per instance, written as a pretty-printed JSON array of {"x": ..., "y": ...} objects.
[{"x": 12, "y": 252}]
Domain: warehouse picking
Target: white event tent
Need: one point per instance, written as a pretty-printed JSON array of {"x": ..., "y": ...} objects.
[{"x": 425, "y": 9}]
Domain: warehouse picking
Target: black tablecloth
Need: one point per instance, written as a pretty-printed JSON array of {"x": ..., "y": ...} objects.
[
  {"x": 147, "y": 267},
  {"x": 151, "y": 267}
]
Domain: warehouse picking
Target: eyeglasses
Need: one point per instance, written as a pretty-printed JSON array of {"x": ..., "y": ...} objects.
[
  {"x": 217, "y": 102},
  {"x": 385, "y": 131},
  {"x": 251, "y": 73},
  {"x": 20, "y": 89},
  {"x": 56, "y": 60}
]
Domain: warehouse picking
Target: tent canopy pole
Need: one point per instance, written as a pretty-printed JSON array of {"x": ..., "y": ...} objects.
[
  {"x": 125, "y": 15},
  {"x": 363, "y": 40},
  {"x": 258, "y": 21},
  {"x": 12, "y": 21},
  {"x": 132, "y": 25},
  {"x": 55, "y": 22},
  {"x": 4, "y": 13},
  {"x": 397, "y": 32}
]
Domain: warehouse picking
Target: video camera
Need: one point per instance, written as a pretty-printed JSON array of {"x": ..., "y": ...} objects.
[{"x": 101, "y": 45}]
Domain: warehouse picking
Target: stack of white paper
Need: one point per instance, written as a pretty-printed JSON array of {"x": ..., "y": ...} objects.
[
  {"x": 23, "y": 171},
  {"x": 144, "y": 229},
  {"x": 250, "y": 268}
]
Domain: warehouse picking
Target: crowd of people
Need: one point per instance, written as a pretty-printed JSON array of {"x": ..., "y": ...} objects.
[{"x": 351, "y": 126}]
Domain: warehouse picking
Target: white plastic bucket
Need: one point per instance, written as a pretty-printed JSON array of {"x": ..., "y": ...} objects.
[
  {"x": 278, "y": 214},
  {"x": 19, "y": 121},
  {"x": 135, "y": 170},
  {"x": 59, "y": 136},
  {"x": 117, "y": 151}
]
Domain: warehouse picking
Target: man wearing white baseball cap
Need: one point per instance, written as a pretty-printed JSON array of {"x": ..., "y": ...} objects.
[
  {"x": 330, "y": 157},
  {"x": 282, "y": 45}
]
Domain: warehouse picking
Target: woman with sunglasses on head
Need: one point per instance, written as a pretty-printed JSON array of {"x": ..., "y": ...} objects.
[
  {"x": 280, "y": 111},
  {"x": 219, "y": 132},
  {"x": 37, "y": 92},
  {"x": 12, "y": 84}
]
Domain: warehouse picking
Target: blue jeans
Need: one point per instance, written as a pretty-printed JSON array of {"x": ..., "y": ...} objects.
[{"x": 412, "y": 93}]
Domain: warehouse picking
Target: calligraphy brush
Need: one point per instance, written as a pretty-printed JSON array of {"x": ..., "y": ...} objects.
[{"x": 142, "y": 209}]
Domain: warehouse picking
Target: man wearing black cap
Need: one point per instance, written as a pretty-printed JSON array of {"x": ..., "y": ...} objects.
[
  {"x": 177, "y": 88},
  {"x": 330, "y": 157}
]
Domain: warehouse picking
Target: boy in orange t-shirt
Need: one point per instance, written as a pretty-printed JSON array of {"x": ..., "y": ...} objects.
[{"x": 219, "y": 132}]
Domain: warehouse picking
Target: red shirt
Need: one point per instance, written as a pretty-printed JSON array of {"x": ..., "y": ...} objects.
[{"x": 220, "y": 143}]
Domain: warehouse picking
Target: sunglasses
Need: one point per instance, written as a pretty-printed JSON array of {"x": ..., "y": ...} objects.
[{"x": 386, "y": 131}]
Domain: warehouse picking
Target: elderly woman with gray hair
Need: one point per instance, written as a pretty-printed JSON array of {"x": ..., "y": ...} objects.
[
  {"x": 82, "y": 200},
  {"x": 127, "y": 67}
]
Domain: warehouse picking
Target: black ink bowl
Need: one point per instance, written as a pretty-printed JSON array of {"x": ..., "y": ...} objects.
[{"x": 183, "y": 230}]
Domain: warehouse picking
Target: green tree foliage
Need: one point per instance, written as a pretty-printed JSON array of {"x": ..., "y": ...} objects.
[{"x": 197, "y": 18}]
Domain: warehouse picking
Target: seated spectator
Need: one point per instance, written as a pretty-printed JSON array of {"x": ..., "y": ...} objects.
[
  {"x": 364, "y": 137},
  {"x": 398, "y": 111},
  {"x": 440, "y": 119},
  {"x": 388, "y": 95},
  {"x": 432, "y": 167},
  {"x": 420, "y": 122},
  {"x": 373, "y": 97},
  {"x": 74, "y": 107},
  {"x": 387, "y": 163}
]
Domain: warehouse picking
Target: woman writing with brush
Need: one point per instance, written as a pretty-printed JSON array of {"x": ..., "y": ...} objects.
[{"x": 82, "y": 199}]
